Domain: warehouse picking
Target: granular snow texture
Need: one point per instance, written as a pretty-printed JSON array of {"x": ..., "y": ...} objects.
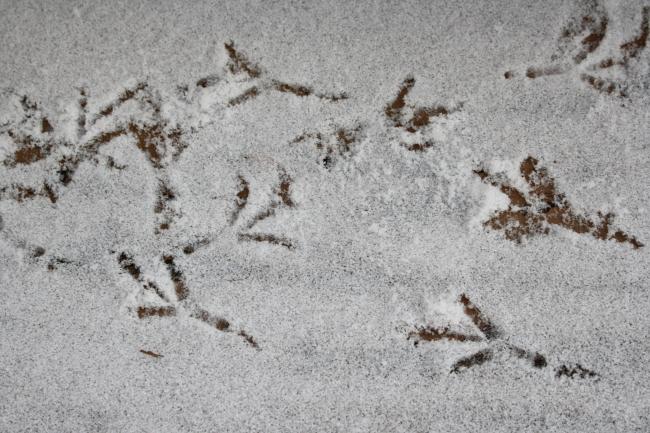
[{"x": 332, "y": 216}]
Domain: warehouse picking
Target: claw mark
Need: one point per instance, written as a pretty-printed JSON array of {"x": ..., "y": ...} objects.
[
  {"x": 152, "y": 354},
  {"x": 542, "y": 206}
]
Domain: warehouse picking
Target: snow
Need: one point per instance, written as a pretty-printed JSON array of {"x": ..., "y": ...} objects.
[{"x": 325, "y": 227}]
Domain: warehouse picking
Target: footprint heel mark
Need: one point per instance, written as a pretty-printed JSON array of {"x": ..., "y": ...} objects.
[{"x": 533, "y": 212}]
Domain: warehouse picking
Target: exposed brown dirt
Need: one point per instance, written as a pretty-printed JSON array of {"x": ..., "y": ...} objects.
[
  {"x": 478, "y": 358},
  {"x": 478, "y": 318},
  {"x": 239, "y": 63},
  {"x": 167, "y": 311},
  {"x": 177, "y": 277},
  {"x": 268, "y": 238},
  {"x": 437, "y": 334},
  {"x": 20, "y": 193},
  {"x": 295, "y": 89},
  {"x": 248, "y": 94},
  {"x": 150, "y": 353},
  {"x": 533, "y": 212}
]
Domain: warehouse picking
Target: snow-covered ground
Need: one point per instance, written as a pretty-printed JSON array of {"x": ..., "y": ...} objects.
[{"x": 418, "y": 216}]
